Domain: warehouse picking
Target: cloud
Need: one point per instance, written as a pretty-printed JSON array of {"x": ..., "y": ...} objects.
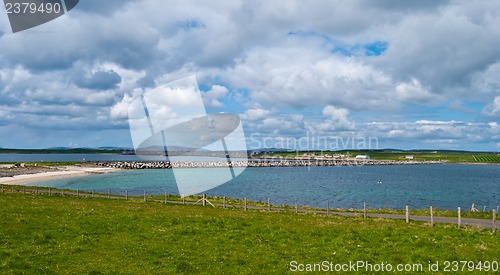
[
  {"x": 257, "y": 113},
  {"x": 212, "y": 97},
  {"x": 375, "y": 65},
  {"x": 338, "y": 118},
  {"x": 493, "y": 109},
  {"x": 101, "y": 80},
  {"x": 414, "y": 92},
  {"x": 448, "y": 134},
  {"x": 445, "y": 48},
  {"x": 297, "y": 77}
]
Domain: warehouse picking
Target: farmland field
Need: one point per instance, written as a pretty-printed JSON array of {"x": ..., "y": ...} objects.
[{"x": 487, "y": 158}]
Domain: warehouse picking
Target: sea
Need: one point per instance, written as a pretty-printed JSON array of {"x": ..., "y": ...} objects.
[{"x": 443, "y": 186}]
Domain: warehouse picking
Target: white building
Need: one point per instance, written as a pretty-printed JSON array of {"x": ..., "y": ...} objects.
[{"x": 362, "y": 157}]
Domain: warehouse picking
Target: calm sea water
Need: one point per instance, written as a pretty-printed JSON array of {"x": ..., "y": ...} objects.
[{"x": 445, "y": 186}]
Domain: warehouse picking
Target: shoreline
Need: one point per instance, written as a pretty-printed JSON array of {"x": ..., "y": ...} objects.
[{"x": 65, "y": 172}]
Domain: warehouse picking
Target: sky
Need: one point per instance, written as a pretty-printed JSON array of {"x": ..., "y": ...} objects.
[{"x": 331, "y": 75}]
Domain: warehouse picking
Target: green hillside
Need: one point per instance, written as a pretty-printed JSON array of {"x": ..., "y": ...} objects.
[{"x": 76, "y": 235}]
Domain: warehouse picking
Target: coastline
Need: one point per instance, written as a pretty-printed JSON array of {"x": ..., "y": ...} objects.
[{"x": 60, "y": 173}]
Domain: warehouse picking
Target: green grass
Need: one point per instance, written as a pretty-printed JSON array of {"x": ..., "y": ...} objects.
[
  {"x": 450, "y": 156},
  {"x": 68, "y": 235},
  {"x": 487, "y": 158}
]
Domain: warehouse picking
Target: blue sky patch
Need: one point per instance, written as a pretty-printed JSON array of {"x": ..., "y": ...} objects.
[
  {"x": 190, "y": 24},
  {"x": 375, "y": 48}
]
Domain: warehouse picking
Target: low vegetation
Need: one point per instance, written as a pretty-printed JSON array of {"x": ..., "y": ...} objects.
[
  {"x": 83, "y": 235},
  {"x": 487, "y": 158},
  {"x": 450, "y": 156}
]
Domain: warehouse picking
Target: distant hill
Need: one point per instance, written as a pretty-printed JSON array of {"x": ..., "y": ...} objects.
[{"x": 62, "y": 150}]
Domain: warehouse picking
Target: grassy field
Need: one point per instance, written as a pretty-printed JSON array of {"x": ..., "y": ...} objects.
[
  {"x": 42, "y": 234},
  {"x": 450, "y": 156},
  {"x": 487, "y": 158}
]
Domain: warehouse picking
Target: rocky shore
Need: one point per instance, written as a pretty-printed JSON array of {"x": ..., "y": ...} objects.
[{"x": 256, "y": 163}]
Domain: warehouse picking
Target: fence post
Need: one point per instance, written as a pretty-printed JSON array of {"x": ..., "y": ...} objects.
[
  {"x": 166, "y": 197},
  {"x": 36, "y": 190},
  {"x": 246, "y": 204},
  {"x": 145, "y": 195},
  {"x": 109, "y": 196},
  {"x": 407, "y": 213},
  {"x": 268, "y": 204},
  {"x": 62, "y": 193},
  {"x": 77, "y": 192},
  {"x": 183, "y": 199},
  {"x": 364, "y": 210},
  {"x": 494, "y": 221},
  {"x": 204, "y": 199},
  {"x": 224, "y": 202},
  {"x": 432, "y": 217},
  {"x": 328, "y": 207},
  {"x": 92, "y": 193},
  {"x": 459, "y": 218},
  {"x": 296, "y": 206},
  {"x": 50, "y": 192},
  {"x": 126, "y": 195}
]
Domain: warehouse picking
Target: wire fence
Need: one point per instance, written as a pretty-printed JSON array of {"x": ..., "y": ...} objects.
[{"x": 486, "y": 220}]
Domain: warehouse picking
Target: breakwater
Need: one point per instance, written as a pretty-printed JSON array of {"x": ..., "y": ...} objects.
[{"x": 255, "y": 163}]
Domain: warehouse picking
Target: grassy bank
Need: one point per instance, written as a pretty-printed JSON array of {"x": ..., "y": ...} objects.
[{"x": 42, "y": 234}]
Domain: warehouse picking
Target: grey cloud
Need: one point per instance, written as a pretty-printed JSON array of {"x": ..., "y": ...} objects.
[
  {"x": 442, "y": 50},
  {"x": 437, "y": 50},
  {"x": 101, "y": 80},
  {"x": 102, "y": 7},
  {"x": 407, "y": 5}
]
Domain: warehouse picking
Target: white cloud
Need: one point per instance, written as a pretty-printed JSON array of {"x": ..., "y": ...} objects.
[
  {"x": 214, "y": 95},
  {"x": 257, "y": 113},
  {"x": 338, "y": 118},
  {"x": 414, "y": 91},
  {"x": 493, "y": 109},
  {"x": 302, "y": 77},
  {"x": 452, "y": 133}
]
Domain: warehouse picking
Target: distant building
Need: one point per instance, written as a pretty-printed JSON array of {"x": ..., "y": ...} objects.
[
  {"x": 362, "y": 157},
  {"x": 409, "y": 157}
]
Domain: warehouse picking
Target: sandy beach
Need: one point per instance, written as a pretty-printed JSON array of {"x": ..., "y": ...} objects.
[{"x": 44, "y": 174}]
